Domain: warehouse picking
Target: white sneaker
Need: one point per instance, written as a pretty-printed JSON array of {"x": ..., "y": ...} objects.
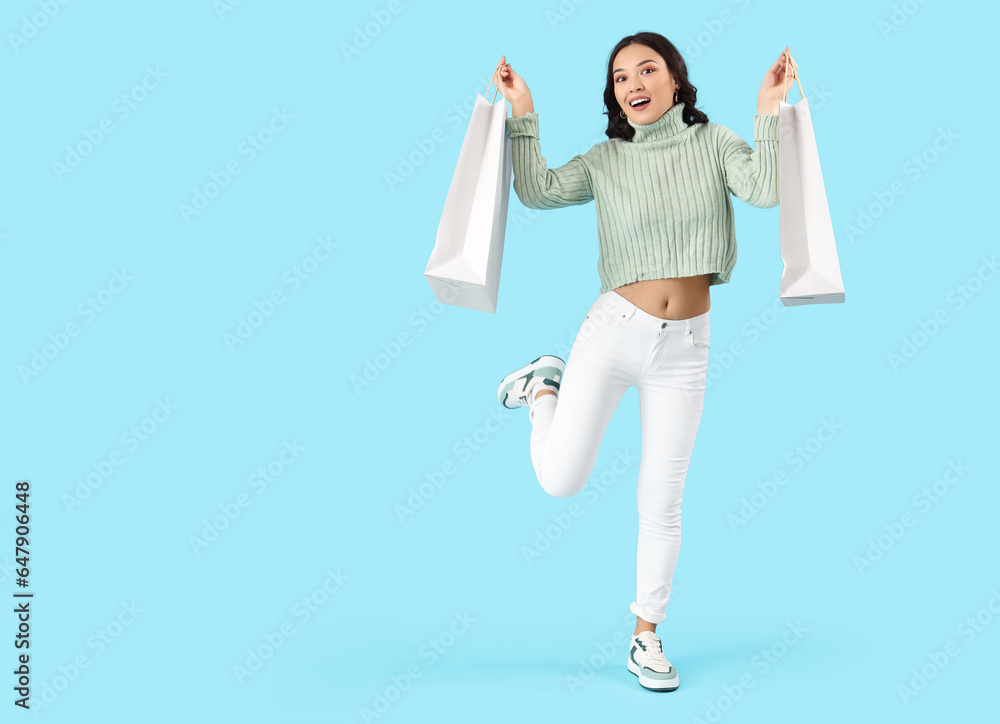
[
  {"x": 646, "y": 660},
  {"x": 518, "y": 388}
]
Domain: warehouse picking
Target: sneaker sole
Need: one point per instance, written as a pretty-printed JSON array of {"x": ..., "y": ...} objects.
[
  {"x": 653, "y": 684},
  {"x": 543, "y": 361}
]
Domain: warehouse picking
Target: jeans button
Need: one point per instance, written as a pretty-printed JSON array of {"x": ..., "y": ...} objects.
[{"x": 663, "y": 326}]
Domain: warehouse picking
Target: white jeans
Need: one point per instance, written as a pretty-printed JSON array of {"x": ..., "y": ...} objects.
[{"x": 620, "y": 345}]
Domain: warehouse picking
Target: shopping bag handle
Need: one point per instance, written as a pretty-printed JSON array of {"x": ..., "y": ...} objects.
[
  {"x": 795, "y": 67},
  {"x": 506, "y": 110}
]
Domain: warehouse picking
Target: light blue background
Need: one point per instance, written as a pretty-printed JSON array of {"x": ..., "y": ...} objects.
[{"x": 879, "y": 98}]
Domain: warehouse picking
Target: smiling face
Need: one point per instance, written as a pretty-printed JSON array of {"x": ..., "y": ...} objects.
[{"x": 640, "y": 72}]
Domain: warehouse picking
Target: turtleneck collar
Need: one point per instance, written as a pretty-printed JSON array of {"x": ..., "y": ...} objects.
[{"x": 669, "y": 124}]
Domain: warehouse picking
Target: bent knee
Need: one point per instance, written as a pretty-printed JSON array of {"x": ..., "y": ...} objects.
[{"x": 563, "y": 486}]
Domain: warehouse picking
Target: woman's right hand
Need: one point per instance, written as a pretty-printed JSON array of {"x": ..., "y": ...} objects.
[{"x": 512, "y": 86}]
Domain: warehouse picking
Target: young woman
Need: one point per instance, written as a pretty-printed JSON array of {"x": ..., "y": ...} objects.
[{"x": 666, "y": 234}]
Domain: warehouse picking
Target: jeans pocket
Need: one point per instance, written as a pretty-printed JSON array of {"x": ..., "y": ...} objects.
[
  {"x": 607, "y": 316},
  {"x": 700, "y": 338}
]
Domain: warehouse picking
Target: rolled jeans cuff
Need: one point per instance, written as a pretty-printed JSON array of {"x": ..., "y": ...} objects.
[{"x": 646, "y": 615}]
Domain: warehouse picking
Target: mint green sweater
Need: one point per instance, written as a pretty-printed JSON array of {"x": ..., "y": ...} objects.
[{"x": 663, "y": 205}]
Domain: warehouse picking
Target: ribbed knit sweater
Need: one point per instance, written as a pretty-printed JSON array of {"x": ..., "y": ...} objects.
[{"x": 663, "y": 205}]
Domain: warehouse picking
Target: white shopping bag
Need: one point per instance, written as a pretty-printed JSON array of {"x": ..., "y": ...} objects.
[
  {"x": 808, "y": 249},
  {"x": 464, "y": 267}
]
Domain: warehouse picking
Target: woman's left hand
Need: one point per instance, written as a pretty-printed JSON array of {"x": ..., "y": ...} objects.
[{"x": 777, "y": 82}]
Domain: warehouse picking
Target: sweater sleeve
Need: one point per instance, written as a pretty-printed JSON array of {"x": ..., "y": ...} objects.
[
  {"x": 752, "y": 174},
  {"x": 536, "y": 185}
]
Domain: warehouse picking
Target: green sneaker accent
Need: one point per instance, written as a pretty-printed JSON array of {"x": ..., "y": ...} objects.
[
  {"x": 517, "y": 388},
  {"x": 654, "y": 671}
]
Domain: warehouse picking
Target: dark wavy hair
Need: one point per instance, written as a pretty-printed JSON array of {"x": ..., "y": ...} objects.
[{"x": 619, "y": 127}]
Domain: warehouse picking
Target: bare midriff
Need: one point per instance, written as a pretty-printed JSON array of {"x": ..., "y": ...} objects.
[{"x": 677, "y": 298}]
